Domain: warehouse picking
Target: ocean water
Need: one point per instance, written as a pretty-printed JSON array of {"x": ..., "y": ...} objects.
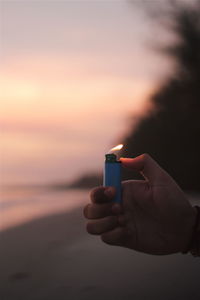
[{"x": 19, "y": 205}]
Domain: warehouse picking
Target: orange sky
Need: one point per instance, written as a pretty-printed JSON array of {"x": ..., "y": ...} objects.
[{"x": 71, "y": 74}]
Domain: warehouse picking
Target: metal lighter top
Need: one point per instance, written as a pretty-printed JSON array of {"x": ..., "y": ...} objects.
[{"x": 111, "y": 157}]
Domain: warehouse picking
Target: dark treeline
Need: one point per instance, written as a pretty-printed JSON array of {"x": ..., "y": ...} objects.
[{"x": 171, "y": 132}]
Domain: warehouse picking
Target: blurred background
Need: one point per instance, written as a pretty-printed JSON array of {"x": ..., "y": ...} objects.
[{"x": 77, "y": 78}]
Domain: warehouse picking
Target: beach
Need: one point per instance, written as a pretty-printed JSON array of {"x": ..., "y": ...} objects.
[{"x": 53, "y": 257}]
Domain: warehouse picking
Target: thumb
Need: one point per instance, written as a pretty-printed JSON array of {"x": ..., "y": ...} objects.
[{"x": 148, "y": 167}]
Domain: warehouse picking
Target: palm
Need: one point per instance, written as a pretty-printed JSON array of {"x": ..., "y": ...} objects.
[{"x": 153, "y": 217}]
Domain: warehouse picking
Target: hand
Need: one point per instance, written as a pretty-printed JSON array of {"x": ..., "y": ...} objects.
[{"x": 155, "y": 217}]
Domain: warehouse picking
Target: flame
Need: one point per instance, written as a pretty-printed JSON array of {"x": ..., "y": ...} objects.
[{"x": 116, "y": 148}]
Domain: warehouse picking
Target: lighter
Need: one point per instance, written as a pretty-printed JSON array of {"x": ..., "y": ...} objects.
[{"x": 112, "y": 173}]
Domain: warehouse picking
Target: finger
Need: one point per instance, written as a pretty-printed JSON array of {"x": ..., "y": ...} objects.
[
  {"x": 122, "y": 220},
  {"x": 116, "y": 209},
  {"x": 100, "y": 226},
  {"x": 118, "y": 236},
  {"x": 95, "y": 211},
  {"x": 147, "y": 167},
  {"x": 102, "y": 194}
]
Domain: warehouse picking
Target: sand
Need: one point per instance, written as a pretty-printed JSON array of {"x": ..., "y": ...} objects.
[{"x": 54, "y": 258}]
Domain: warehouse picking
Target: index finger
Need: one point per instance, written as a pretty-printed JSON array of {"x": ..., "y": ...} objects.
[{"x": 102, "y": 194}]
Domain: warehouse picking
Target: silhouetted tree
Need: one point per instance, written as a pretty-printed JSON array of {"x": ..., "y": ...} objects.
[{"x": 171, "y": 132}]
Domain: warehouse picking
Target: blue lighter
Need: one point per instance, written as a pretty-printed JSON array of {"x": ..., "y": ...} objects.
[{"x": 112, "y": 175}]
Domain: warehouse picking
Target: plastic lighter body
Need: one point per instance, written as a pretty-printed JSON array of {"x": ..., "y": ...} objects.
[{"x": 112, "y": 175}]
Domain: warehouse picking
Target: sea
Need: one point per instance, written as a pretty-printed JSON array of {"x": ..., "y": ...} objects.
[{"x": 21, "y": 204}]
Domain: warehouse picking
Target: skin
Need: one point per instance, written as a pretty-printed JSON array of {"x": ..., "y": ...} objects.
[{"x": 155, "y": 216}]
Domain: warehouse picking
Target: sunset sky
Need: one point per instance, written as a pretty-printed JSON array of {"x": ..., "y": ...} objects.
[{"x": 72, "y": 74}]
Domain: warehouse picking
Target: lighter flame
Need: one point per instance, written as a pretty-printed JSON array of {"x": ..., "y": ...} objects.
[{"x": 116, "y": 148}]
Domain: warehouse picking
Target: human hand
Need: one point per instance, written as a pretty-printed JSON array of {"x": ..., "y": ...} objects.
[{"x": 155, "y": 217}]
